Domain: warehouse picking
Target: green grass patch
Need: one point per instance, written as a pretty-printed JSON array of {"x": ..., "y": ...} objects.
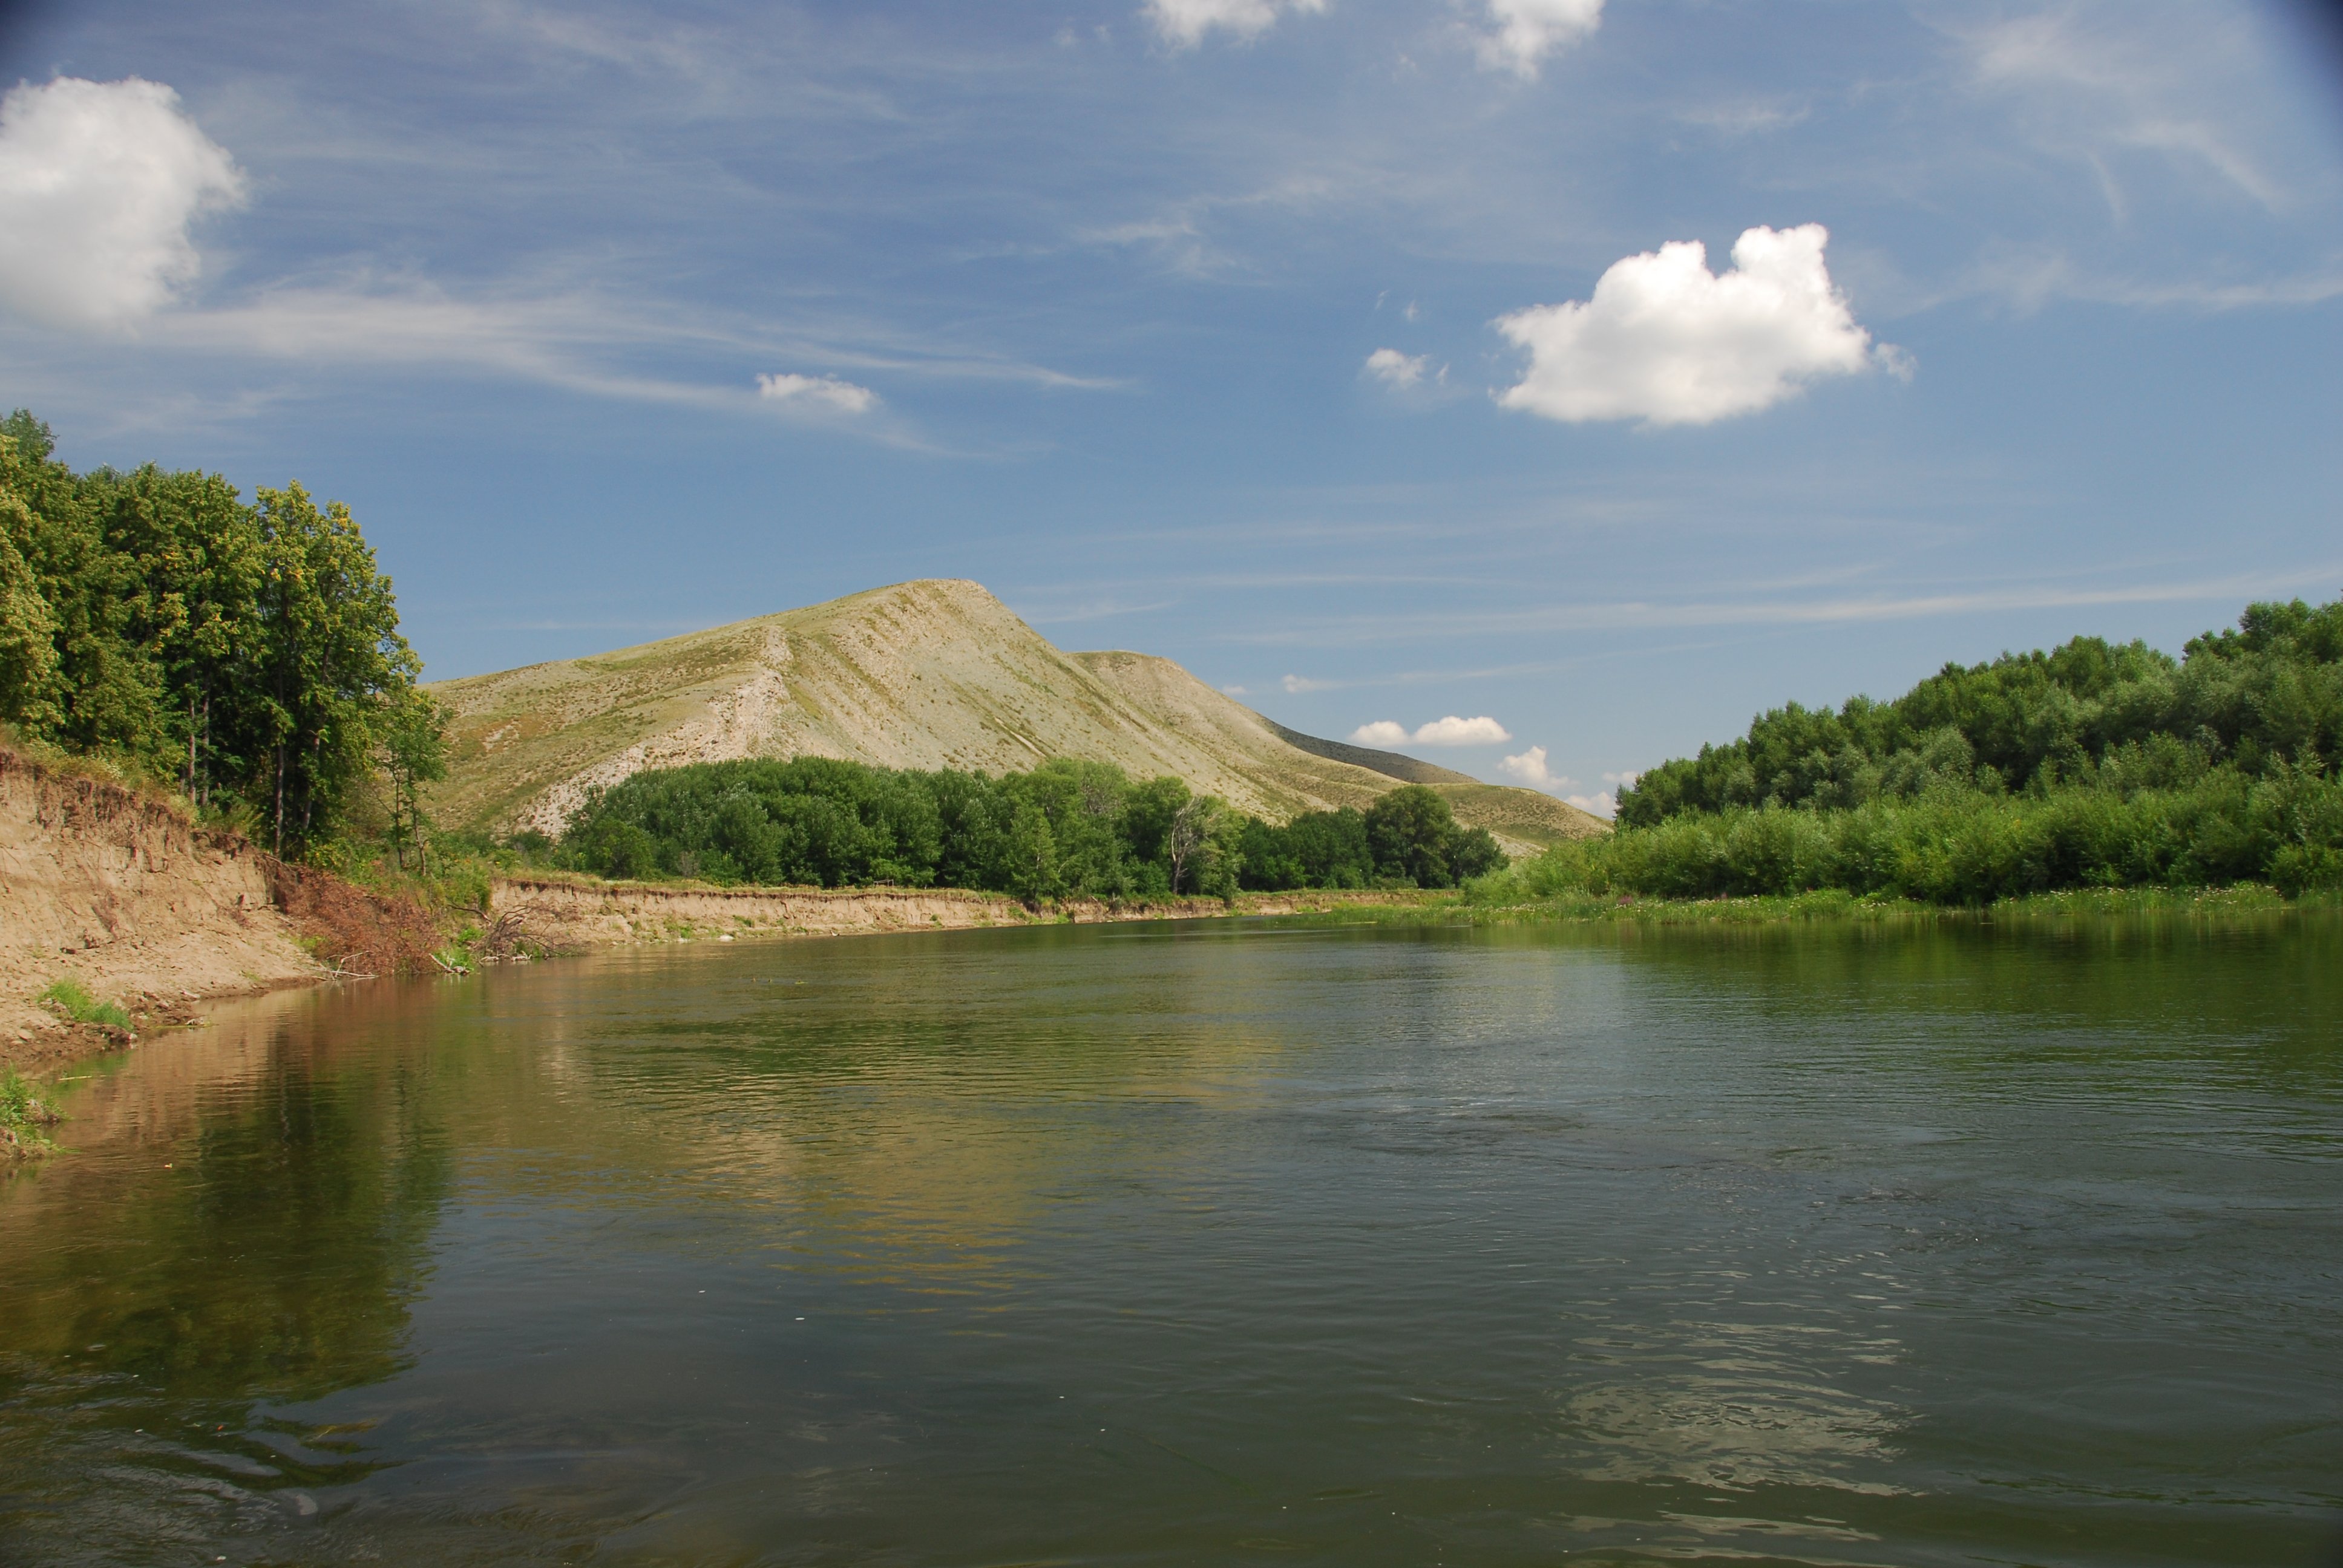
[
  {"x": 1496, "y": 902},
  {"x": 68, "y": 998},
  {"x": 25, "y": 1118}
]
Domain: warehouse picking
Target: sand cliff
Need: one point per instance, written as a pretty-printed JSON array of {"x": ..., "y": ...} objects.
[{"x": 113, "y": 889}]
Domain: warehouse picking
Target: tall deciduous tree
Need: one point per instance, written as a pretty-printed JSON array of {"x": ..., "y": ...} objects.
[
  {"x": 328, "y": 653},
  {"x": 414, "y": 752}
]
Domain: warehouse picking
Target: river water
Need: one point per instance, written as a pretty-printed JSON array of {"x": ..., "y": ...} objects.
[{"x": 2014, "y": 1243}]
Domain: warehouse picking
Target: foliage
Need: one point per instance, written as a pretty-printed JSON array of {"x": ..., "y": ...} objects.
[
  {"x": 250, "y": 651},
  {"x": 1409, "y": 838},
  {"x": 2091, "y": 766},
  {"x": 23, "y": 1117},
  {"x": 1068, "y": 829},
  {"x": 412, "y": 746},
  {"x": 2254, "y": 698},
  {"x": 68, "y": 997}
]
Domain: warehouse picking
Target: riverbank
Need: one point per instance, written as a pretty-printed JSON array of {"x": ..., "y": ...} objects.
[
  {"x": 117, "y": 892},
  {"x": 114, "y": 890},
  {"x": 1833, "y": 904},
  {"x": 542, "y": 914}
]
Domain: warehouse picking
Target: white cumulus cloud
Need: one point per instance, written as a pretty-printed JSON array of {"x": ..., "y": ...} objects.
[
  {"x": 1530, "y": 767},
  {"x": 1298, "y": 684},
  {"x": 817, "y": 391},
  {"x": 1454, "y": 732},
  {"x": 1449, "y": 731},
  {"x": 1527, "y": 31},
  {"x": 98, "y": 183},
  {"x": 1531, "y": 770},
  {"x": 1666, "y": 341},
  {"x": 1395, "y": 369},
  {"x": 1184, "y": 23}
]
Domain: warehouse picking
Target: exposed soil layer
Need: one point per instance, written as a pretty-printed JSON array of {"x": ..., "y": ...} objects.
[
  {"x": 558, "y": 915},
  {"x": 115, "y": 889}
]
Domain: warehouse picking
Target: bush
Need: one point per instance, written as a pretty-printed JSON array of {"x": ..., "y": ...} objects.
[{"x": 1954, "y": 846}]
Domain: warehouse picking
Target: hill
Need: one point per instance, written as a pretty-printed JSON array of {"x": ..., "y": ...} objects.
[{"x": 929, "y": 674}]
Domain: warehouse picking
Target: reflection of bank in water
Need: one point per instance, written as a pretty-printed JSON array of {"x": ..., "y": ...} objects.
[{"x": 240, "y": 1219}]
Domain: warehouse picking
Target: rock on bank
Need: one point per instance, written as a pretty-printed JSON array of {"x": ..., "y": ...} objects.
[{"x": 113, "y": 889}]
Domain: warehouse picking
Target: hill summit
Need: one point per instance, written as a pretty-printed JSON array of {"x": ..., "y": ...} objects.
[{"x": 930, "y": 674}]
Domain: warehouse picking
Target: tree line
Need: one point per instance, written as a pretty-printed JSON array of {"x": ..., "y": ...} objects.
[
  {"x": 249, "y": 651},
  {"x": 1068, "y": 829},
  {"x": 2092, "y": 765}
]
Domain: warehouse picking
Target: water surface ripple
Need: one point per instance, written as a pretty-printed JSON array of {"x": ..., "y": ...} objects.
[{"x": 1976, "y": 1244}]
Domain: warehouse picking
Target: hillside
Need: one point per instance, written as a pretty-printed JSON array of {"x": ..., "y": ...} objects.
[{"x": 930, "y": 674}]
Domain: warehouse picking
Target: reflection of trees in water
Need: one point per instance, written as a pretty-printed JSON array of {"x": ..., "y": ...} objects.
[
  {"x": 275, "y": 1258},
  {"x": 2127, "y": 994},
  {"x": 151, "y": 1306}
]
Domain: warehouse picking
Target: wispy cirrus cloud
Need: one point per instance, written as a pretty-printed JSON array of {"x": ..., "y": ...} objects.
[
  {"x": 2097, "y": 81},
  {"x": 1183, "y": 24},
  {"x": 1854, "y": 609},
  {"x": 1523, "y": 33}
]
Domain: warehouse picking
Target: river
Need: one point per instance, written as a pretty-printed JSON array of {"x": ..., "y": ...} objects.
[{"x": 1210, "y": 1243}]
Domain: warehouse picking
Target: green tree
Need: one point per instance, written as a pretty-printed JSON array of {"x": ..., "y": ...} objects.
[
  {"x": 326, "y": 656},
  {"x": 413, "y": 750},
  {"x": 1031, "y": 854},
  {"x": 1411, "y": 831},
  {"x": 28, "y": 654},
  {"x": 198, "y": 551}
]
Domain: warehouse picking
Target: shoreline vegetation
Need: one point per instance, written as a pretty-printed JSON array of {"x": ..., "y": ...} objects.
[{"x": 240, "y": 663}]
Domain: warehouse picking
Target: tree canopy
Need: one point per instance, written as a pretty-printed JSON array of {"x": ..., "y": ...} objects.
[
  {"x": 250, "y": 650},
  {"x": 1067, "y": 828}
]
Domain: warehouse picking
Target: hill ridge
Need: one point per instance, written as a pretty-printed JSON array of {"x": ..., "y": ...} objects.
[{"x": 931, "y": 673}]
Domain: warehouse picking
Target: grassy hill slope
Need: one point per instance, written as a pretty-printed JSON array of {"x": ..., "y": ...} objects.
[{"x": 931, "y": 674}]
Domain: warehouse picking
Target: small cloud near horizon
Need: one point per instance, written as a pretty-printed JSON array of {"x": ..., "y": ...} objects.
[
  {"x": 1449, "y": 731},
  {"x": 1530, "y": 769},
  {"x": 1298, "y": 684}
]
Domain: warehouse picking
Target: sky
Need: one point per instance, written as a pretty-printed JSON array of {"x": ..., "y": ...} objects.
[{"x": 1539, "y": 386}]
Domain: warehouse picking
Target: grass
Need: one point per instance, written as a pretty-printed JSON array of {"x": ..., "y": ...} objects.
[
  {"x": 23, "y": 1117},
  {"x": 1494, "y": 903},
  {"x": 68, "y": 997}
]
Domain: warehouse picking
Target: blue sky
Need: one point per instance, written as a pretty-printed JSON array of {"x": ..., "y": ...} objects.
[{"x": 1265, "y": 335}]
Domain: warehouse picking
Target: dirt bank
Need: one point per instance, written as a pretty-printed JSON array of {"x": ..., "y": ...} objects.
[
  {"x": 559, "y": 914},
  {"x": 115, "y": 889}
]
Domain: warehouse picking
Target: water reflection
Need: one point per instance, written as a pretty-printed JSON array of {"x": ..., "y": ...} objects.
[
  {"x": 243, "y": 1218},
  {"x": 1829, "y": 1244}
]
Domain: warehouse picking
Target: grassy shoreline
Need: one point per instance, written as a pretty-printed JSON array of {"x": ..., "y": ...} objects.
[{"x": 1834, "y": 905}]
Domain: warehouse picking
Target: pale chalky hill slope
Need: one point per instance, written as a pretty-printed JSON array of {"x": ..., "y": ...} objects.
[{"x": 933, "y": 674}]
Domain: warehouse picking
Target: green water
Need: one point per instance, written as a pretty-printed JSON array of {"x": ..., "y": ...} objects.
[{"x": 1209, "y": 1243}]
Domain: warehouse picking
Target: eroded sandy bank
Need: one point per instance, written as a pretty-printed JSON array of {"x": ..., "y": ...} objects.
[
  {"x": 562, "y": 915},
  {"x": 102, "y": 885}
]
